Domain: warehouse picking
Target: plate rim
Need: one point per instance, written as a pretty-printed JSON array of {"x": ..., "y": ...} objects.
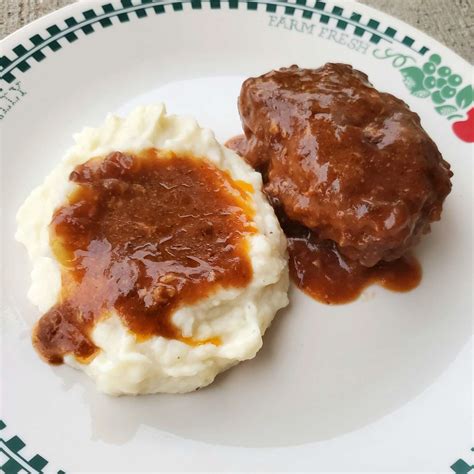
[
  {"x": 33, "y": 46},
  {"x": 39, "y": 25},
  {"x": 78, "y": 5}
]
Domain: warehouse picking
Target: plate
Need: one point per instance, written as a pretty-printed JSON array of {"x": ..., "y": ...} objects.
[{"x": 381, "y": 384}]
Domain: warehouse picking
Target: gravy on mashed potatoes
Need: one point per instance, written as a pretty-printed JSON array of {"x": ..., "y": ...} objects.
[{"x": 157, "y": 260}]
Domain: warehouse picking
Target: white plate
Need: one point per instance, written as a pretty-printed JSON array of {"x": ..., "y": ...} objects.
[{"x": 382, "y": 384}]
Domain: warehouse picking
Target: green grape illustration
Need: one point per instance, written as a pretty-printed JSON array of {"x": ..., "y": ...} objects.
[
  {"x": 454, "y": 80},
  {"x": 435, "y": 59},
  {"x": 435, "y": 80},
  {"x": 446, "y": 83},
  {"x": 429, "y": 82},
  {"x": 448, "y": 92},
  {"x": 429, "y": 68},
  {"x": 444, "y": 71}
]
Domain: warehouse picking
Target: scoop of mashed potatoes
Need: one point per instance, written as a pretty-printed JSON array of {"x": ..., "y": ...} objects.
[{"x": 237, "y": 316}]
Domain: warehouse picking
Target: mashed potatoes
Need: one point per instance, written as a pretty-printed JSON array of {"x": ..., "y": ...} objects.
[{"x": 237, "y": 316}]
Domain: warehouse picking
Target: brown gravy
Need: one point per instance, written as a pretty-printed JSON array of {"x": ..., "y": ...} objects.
[
  {"x": 143, "y": 235},
  {"x": 319, "y": 269}
]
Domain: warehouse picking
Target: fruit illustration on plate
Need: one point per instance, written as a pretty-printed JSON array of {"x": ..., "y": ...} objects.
[
  {"x": 464, "y": 129},
  {"x": 440, "y": 83},
  {"x": 432, "y": 79}
]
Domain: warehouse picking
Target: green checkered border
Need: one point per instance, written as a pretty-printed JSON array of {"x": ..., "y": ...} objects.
[
  {"x": 106, "y": 15},
  {"x": 461, "y": 466},
  {"x": 12, "y": 461}
]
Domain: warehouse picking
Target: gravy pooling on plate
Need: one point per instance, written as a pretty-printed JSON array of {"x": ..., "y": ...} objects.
[
  {"x": 349, "y": 163},
  {"x": 319, "y": 269},
  {"x": 143, "y": 234}
]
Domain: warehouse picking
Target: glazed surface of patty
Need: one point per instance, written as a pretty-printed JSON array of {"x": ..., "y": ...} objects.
[{"x": 343, "y": 159}]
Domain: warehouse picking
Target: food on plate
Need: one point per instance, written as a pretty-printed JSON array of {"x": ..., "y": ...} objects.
[
  {"x": 318, "y": 268},
  {"x": 346, "y": 166},
  {"x": 157, "y": 260}
]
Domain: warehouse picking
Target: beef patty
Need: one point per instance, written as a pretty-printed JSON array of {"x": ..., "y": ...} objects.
[{"x": 349, "y": 162}]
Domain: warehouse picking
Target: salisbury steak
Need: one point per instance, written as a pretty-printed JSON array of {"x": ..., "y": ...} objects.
[{"x": 345, "y": 160}]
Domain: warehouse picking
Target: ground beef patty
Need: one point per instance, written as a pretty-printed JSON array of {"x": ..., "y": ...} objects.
[{"x": 345, "y": 160}]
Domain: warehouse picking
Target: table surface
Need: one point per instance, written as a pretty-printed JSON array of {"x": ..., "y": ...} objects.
[{"x": 449, "y": 21}]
